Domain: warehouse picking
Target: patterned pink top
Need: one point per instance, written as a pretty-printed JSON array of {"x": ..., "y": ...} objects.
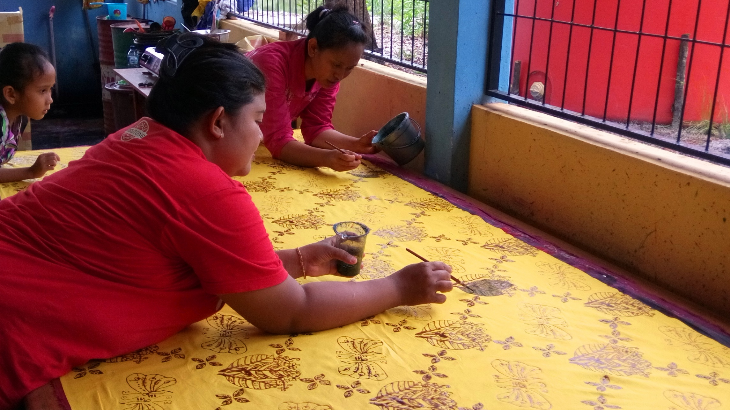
[
  {"x": 282, "y": 63},
  {"x": 10, "y": 136}
]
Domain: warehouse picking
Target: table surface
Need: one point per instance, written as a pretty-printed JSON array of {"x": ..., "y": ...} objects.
[
  {"x": 540, "y": 331},
  {"x": 135, "y": 76}
]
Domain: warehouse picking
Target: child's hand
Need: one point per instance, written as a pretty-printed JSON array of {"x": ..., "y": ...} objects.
[
  {"x": 343, "y": 162},
  {"x": 320, "y": 258},
  {"x": 422, "y": 283},
  {"x": 44, "y": 163},
  {"x": 364, "y": 144}
]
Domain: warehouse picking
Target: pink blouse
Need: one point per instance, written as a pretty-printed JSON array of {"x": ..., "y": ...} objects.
[{"x": 282, "y": 63}]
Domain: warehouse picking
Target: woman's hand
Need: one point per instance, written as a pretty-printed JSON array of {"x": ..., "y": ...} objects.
[
  {"x": 320, "y": 258},
  {"x": 44, "y": 163},
  {"x": 423, "y": 283},
  {"x": 342, "y": 162},
  {"x": 364, "y": 144}
]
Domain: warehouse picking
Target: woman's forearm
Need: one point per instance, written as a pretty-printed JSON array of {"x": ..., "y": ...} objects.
[
  {"x": 335, "y": 137},
  {"x": 292, "y": 308},
  {"x": 298, "y": 153}
]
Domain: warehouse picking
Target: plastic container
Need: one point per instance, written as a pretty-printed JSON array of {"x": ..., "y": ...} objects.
[
  {"x": 133, "y": 56},
  {"x": 116, "y": 11},
  {"x": 351, "y": 237},
  {"x": 121, "y": 41}
]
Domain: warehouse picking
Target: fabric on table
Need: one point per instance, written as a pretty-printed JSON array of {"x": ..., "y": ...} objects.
[
  {"x": 123, "y": 248},
  {"x": 539, "y": 334}
]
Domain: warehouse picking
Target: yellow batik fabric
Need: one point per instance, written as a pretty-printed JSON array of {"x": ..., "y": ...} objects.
[
  {"x": 537, "y": 333},
  {"x": 24, "y": 159}
]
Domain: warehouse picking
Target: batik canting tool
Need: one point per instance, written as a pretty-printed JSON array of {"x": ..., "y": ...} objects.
[{"x": 452, "y": 276}]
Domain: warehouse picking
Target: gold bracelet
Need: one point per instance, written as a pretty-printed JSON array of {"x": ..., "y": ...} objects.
[{"x": 301, "y": 262}]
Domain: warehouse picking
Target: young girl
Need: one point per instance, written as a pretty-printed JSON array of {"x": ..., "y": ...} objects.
[
  {"x": 148, "y": 233},
  {"x": 302, "y": 81},
  {"x": 26, "y": 78}
]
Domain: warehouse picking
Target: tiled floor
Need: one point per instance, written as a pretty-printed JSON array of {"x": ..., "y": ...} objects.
[{"x": 51, "y": 133}]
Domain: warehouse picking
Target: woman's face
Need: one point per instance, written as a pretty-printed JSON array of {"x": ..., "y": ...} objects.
[
  {"x": 332, "y": 65},
  {"x": 242, "y": 136}
]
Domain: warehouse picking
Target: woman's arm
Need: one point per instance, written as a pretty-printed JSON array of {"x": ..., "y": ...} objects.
[
  {"x": 293, "y": 308},
  {"x": 361, "y": 145},
  {"x": 297, "y": 153},
  {"x": 317, "y": 258}
]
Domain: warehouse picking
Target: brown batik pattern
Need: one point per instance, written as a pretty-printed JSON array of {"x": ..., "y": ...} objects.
[
  {"x": 226, "y": 334},
  {"x": 409, "y": 395},
  {"x": 138, "y": 356},
  {"x": 701, "y": 348},
  {"x": 430, "y": 356},
  {"x": 362, "y": 358},
  {"x": 455, "y": 335},
  {"x": 613, "y": 357},
  {"x": 148, "y": 392},
  {"x": 522, "y": 385}
]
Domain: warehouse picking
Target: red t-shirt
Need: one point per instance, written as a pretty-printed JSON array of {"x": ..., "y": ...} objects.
[
  {"x": 282, "y": 63},
  {"x": 122, "y": 249}
]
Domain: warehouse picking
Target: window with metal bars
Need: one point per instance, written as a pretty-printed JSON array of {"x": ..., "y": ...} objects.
[
  {"x": 653, "y": 70},
  {"x": 400, "y": 27}
]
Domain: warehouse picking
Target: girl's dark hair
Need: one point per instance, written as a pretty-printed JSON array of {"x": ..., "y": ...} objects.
[
  {"x": 207, "y": 76},
  {"x": 20, "y": 64},
  {"x": 336, "y": 28}
]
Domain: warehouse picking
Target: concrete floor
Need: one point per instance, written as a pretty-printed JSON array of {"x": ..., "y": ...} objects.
[{"x": 51, "y": 133}]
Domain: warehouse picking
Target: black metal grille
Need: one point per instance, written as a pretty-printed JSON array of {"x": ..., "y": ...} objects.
[
  {"x": 400, "y": 27},
  {"x": 655, "y": 70}
]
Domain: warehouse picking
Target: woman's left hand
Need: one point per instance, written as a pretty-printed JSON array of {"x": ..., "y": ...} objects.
[
  {"x": 364, "y": 144},
  {"x": 320, "y": 258}
]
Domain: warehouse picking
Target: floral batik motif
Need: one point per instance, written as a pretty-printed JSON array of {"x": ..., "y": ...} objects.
[
  {"x": 533, "y": 330},
  {"x": 702, "y": 349},
  {"x": 149, "y": 392},
  {"x": 414, "y": 395},
  {"x": 362, "y": 358},
  {"x": 226, "y": 334},
  {"x": 523, "y": 385},
  {"x": 691, "y": 401},
  {"x": 544, "y": 321}
]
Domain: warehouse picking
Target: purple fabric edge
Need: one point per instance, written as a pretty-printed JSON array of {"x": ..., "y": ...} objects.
[{"x": 618, "y": 281}]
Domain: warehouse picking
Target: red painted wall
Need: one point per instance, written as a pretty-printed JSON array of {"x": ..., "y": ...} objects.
[{"x": 590, "y": 77}]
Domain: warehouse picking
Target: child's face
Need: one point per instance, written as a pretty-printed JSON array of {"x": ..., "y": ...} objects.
[{"x": 35, "y": 100}]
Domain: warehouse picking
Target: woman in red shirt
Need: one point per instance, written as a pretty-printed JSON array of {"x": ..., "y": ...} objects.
[
  {"x": 303, "y": 78},
  {"x": 148, "y": 233}
]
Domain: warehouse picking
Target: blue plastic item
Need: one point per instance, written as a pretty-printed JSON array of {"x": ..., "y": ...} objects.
[{"x": 115, "y": 11}]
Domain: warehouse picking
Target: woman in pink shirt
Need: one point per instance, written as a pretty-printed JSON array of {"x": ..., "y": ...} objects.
[{"x": 302, "y": 79}]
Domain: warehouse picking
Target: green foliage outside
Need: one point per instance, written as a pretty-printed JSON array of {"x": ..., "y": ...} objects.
[{"x": 411, "y": 16}]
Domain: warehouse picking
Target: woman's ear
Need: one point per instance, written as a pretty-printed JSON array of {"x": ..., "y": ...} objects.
[
  {"x": 312, "y": 47},
  {"x": 9, "y": 94},
  {"x": 214, "y": 123}
]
